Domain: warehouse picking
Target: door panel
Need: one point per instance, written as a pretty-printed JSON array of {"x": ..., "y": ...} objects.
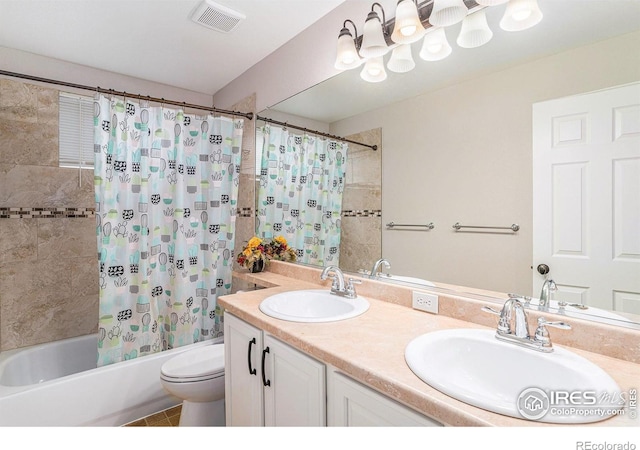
[{"x": 586, "y": 196}]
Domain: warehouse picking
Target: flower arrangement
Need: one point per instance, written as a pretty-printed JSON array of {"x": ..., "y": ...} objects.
[
  {"x": 253, "y": 253},
  {"x": 258, "y": 252},
  {"x": 279, "y": 250}
]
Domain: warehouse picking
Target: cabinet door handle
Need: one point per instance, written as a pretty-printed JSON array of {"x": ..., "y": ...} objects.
[
  {"x": 264, "y": 378},
  {"x": 252, "y": 371}
]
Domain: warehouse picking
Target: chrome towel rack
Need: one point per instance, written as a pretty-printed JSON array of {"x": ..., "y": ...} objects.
[
  {"x": 429, "y": 226},
  {"x": 514, "y": 227}
]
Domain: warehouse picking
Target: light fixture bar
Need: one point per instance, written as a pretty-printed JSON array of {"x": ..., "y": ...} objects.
[
  {"x": 424, "y": 21},
  {"x": 424, "y": 11}
]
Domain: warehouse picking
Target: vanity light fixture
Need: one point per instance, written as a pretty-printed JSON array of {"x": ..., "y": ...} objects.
[
  {"x": 407, "y": 28},
  {"x": 373, "y": 40},
  {"x": 347, "y": 56},
  {"x": 447, "y": 12},
  {"x": 426, "y": 21},
  {"x": 491, "y": 2},
  {"x": 401, "y": 59},
  {"x": 520, "y": 15},
  {"x": 475, "y": 31},
  {"x": 435, "y": 45},
  {"x": 373, "y": 70}
]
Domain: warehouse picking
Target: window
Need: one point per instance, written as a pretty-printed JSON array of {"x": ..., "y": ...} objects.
[{"x": 75, "y": 131}]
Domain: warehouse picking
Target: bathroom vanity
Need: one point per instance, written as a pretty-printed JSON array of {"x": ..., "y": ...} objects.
[
  {"x": 353, "y": 372},
  {"x": 271, "y": 383}
]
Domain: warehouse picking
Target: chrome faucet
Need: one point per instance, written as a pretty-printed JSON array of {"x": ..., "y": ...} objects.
[
  {"x": 513, "y": 319},
  {"x": 376, "y": 267},
  {"x": 548, "y": 288},
  {"x": 339, "y": 287},
  {"x": 513, "y": 327}
]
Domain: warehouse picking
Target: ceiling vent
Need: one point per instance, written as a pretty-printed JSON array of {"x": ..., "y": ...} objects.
[{"x": 216, "y": 17}]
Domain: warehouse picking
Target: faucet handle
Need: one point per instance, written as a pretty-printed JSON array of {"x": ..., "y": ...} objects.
[
  {"x": 544, "y": 322},
  {"x": 503, "y": 323},
  {"x": 351, "y": 289},
  {"x": 333, "y": 277},
  {"x": 542, "y": 334},
  {"x": 490, "y": 310}
]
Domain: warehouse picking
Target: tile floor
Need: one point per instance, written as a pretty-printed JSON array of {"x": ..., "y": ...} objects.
[{"x": 167, "y": 418}]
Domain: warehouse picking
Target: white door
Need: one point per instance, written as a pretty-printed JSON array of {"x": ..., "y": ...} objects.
[
  {"x": 586, "y": 197},
  {"x": 351, "y": 404},
  {"x": 243, "y": 383},
  {"x": 295, "y": 394}
]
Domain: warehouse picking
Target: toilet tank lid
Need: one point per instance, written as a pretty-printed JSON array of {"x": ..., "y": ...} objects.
[{"x": 196, "y": 363}]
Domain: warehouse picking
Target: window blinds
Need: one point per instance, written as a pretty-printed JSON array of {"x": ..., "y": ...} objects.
[{"x": 75, "y": 131}]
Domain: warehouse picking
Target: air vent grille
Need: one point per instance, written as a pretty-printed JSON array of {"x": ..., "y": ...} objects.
[{"x": 217, "y": 17}]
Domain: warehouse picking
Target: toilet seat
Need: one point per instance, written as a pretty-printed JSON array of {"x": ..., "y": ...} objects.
[{"x": 195, "y": 365}]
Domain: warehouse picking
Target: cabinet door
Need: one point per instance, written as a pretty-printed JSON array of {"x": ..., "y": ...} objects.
[
  {"x": 351, "y": 404},
  {"x": 296, "y": 390},
  {"x": 243, "y": 385}
]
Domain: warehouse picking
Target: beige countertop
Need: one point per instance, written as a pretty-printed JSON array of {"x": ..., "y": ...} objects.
[{"x": 370, "y": 349}]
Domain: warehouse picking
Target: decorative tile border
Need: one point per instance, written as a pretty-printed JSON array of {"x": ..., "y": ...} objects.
[
  {"x": 50, "y": 213},
  {"x": 362, "y": 213},
  {"x": 250, "y": 212},
  {"x": 246, "y": 212},
  {"x": 45, "y": 213}
]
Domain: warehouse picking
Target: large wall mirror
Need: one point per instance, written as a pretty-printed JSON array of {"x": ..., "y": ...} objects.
[{"x": 457, "y": 147}]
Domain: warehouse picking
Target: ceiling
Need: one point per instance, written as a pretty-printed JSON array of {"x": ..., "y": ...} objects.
[
  {"x": 116, "y": 35},
  {"x": 566, "y": 24}
]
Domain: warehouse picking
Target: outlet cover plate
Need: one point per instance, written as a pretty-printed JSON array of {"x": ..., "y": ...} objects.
[{"x": 425, "y": 301}]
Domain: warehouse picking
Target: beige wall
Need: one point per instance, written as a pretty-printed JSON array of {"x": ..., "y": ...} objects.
[
  {"x": 463, "y": 154},
  {"x": 48, "y": 265}
]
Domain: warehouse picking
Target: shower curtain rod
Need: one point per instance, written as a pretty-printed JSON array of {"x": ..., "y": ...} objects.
[
  {"x": 319, "y": 133},
  {"x": 248, "y": 115}
]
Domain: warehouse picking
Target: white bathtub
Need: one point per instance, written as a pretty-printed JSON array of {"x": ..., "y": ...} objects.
[{"x": 58, "y": 384}]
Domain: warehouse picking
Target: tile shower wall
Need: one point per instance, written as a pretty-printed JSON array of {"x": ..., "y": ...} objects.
[
  {"x": 361, "y": 241},
  {"x": 48, "y": 269},
  {"x": 245, "y": 217}
]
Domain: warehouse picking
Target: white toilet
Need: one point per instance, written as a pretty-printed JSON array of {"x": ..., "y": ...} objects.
[{"x": 197, "y": 377}]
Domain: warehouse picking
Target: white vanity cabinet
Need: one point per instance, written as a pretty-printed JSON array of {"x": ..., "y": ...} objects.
[
  {"x": 269, "y": 383},
  {"x": 351, "y": 404}
]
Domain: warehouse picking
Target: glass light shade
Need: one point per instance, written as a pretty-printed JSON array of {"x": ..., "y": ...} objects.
[
  {"x": 491, "y": 2},
  {"x": 347, "y": 56},
  {"x": 447, "y": 12},
  {"x": 520, "y": 15},
  {"x": 373, "y": 42},
  {"x": 435, "y": 45},
  {"x": 474, "y": 31},
  {"x": 373, "y": 70},
  {"x": 401, "y": 59},
  {"x": 407, "y": 27}
]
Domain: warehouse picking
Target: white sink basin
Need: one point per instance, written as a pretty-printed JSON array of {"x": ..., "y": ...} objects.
[
  {"x": 474, "y": 367},
  {"x": 313, "y": 305}
]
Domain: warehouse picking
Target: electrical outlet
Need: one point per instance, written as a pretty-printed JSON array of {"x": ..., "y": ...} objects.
[{"x": 425, "y": 301}]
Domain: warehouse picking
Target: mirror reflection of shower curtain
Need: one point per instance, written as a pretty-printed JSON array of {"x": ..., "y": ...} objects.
[
  {"x": 302, "y": 180},
  {"x": 166, "y": 186}
]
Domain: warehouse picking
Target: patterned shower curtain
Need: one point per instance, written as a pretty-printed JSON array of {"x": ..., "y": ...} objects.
[
  {"x": 166, "y": 186},
  {"x": 302, "y": 179}
]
